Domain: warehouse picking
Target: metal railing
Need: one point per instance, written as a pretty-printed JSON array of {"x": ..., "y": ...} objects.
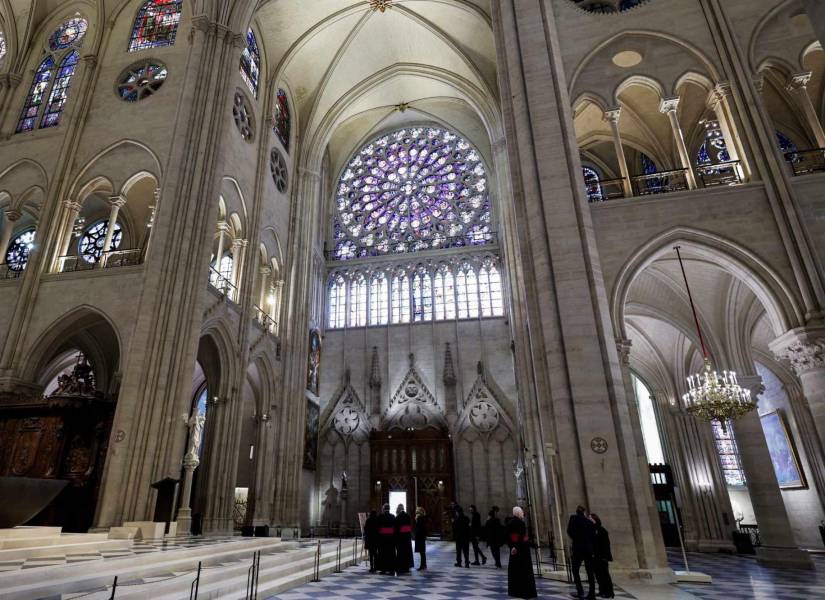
[
  {"x": 113, "y": 259},
  {"x": 660, "y": 183},
  {"x": 726, "y": 173},
  {"x": 433, "y": 243},
  {"x": 266, "y": 321},
  {"x": 252, "y": 577},
  {"x": 222, "y": 284},
  {"x": 805, "y": 162}
]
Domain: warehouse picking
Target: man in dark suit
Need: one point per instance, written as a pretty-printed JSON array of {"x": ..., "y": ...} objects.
[{"x": 582, "y": 532}]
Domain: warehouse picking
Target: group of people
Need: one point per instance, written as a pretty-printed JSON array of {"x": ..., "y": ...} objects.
[
  {"x": 388, "y": 540},
  {"x": 591, "y": 547}
]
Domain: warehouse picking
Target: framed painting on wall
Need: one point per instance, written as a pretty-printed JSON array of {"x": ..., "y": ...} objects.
[{"x": 785, "y": 460}]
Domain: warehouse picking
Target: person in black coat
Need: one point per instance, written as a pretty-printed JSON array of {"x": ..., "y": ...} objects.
[
  {"x": 493, "y": 533},
  {"x": 603, "y": 557},
  {"x": 421, "y": 536},
  {"x": 520, "y": 580},
  {"x": 386, "y": 542},
  {"x": 583, "y": 533},
  {"x": 461, "y": 534},
  {"x": 371, "y": 538},
  {"x": 475, "y": 533},
  {"x": 403, "y": 541}
]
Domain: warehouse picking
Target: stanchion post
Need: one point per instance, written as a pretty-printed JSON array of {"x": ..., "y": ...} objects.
[
  {"x": 114, "y": 587},
  {"x": 193, "y": 589}
]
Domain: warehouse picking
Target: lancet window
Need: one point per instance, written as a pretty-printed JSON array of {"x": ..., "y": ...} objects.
[
  {"x": 156, "y": 25},
  {"x": 416, "y": 293},
  {"x": 282, "y": 121},
  {"x": 251, "y": 63}
]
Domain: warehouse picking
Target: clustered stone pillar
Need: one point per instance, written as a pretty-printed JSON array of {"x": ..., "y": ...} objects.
[
  {"x": 668, "y": 107},
  {"x": 612, "y": 116},
  {"x": 12, "y": 216},
  {"x": 115, "y": 204},
  {"x": 798, "y": 86}
]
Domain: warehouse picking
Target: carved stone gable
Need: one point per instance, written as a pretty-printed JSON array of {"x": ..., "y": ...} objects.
[
  {"x": 483, "y": 411},
  {"x": 347, "y": 416},
  {"x": 413, "y": 406}
]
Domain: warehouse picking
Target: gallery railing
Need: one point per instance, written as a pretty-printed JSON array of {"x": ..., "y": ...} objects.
[
  {"x": 726, "y": 173},
  {"x": 433, "y": 243},
  {"x": 7, "y": 272},
  {"x": 222, "y": 284},
  {"x": 113, "y": 259},
  {"x": 660, "y": 183},
  {"x": 605, "y": 189},
  {"x": 265, "y": 320},
  {"x": 805, "y": 162}
]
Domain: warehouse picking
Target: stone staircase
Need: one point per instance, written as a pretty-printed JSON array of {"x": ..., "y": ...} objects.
[
  {"x": 24, "y": 543},
  {"x": 167, "y": 574}
]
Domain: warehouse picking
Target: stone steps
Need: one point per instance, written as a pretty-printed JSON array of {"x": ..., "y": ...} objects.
[
  {"x": 50, "y": 581},
  {"x": 63, "y": 539},
  {"x": 28, "y": 531},
  {"x": 58, "y": 549}
]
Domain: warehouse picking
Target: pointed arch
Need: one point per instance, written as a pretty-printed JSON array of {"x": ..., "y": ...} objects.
[{"x": 156, "y": 25}]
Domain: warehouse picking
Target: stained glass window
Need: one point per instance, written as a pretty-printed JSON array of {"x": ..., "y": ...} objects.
[
  {"x": 400, "y": 299},
  {"x": 36, "y": 95},
  {"x": 156, "y": 25},
  {"x": 444, "y": 294},
  {"x": 489, "y": 287},
  {"x": 410, "y": 190},
  {"x": 337, "y": 303},
  {"x": 422, "y": 297},
  {"x": 281, "y": 118},
  {"x": 2, "y": 44},
  {"x": 358, "y": 302},
  {"x": 17, "y": 254},
  {"x": 91, "y": 242},
  {"x": 379, "y": 300},
  {"x": 251, "y": 62},
  {"x": 60, "y": 90},
  {"x": 785, "y": 143},
  {"x": 714, "y": 149},
  {"x": 467, "y": 293},
  {"x": 728, "y": 454},
  {"x": 592, "y": 183},
  {"x": 71, "y": 32},
  {"x": 136, "y": 83}
]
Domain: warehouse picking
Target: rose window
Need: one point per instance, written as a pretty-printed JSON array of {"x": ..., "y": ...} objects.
[
  {"x": 242, "y": 113},
  {"x": 68, "y": 33},
  {"x": 18, "y": 253},
  {"x": 92, "y": 241},
  {"x": 277, "y": 165},
  {"x": 413, "y": 189},
  {"x": 136, "y": 83},
  {"x": 347, "y": 421}
]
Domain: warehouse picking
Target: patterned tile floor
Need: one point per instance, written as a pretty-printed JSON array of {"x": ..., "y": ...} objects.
[
  {"x": 442, "y": 581},
  {"x": 736, "y": 577}
]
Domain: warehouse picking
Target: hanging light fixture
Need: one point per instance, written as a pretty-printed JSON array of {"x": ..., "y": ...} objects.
[{"x": 713, "y": 396}]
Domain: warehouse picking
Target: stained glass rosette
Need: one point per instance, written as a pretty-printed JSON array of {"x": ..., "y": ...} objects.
[
  {"x": 410, "y": 190},
  {"x": 68, "y": 33},
  {"x": 18, "y": 253}
]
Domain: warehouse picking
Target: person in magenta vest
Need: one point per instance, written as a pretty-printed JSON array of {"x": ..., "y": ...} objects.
[
  {"x": 386, "y": 542},
  {"x": 403, "y": 540}
]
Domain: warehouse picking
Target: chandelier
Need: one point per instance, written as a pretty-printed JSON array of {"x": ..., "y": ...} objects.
[{"x": 713, "y": 396}]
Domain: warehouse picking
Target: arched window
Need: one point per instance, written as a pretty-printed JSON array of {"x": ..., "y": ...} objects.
[
  {"x": 90, "y": 247},
  {"x": 251, "y": 62},
  {"x": 593, "y": 184},
  {"x": 412, "y": 189},
  {"x": 36, "y": 95},
  {"x": 786, "y": 145},
  {"x": 467, "y": 293},
  {"x": 489, "y": 286},
  {"x": 400, "y": 299},
  {"x": 337, "y": 303},
  {"x": 156, "y": 25},
  {"x": 728, "y": 454},
  {"x": 714, "y": 149},
  {"x": 358, "y": 301},
  {"x": 647, "y": 417},
  {"x": 282, "y": 119},
  {"x": 53, "y": 77},
  {"x": 422, "y": 296},
  {"x": 60, "y": 90},
  {"x": 379, "y": 300},
  {"x": 17, "y": 254},
  {"x": 444, "y": 294}
]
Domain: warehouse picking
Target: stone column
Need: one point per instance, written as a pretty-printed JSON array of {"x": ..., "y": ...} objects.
[
  {"x": 190, "y": 463},
  {"x": 277, "y": 301},
  {"x": 223, "y": 229},
  {"x": 265, "y": 274},
  {"x": 778, "y": 545},
  {"x": 611, "y": 116},
  {"x": 12, "y": 216},
  {"x": 804, "y": 349},
  {"x": 238, "y": 254},
  {"x": 72, "y": 210},
  {"x": 115, "y": 204},
  {"x": 719, "y": 102},
  {"x": 669, "y": 106},
  {"x": 798, "y": 87}
]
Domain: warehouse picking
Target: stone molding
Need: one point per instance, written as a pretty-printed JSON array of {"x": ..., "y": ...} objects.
[{"x": 803, "y": 348}]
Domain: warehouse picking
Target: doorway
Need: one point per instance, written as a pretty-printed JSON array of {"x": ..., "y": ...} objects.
[{"x": 413, "y": 468}]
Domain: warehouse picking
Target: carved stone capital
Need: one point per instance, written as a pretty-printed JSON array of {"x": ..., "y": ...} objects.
[
  {"x": 753, "y": 383},
  {"x": 623, "y": 348},
  {"x": 669, "y": 105},
  {"x": 718, "y": 95},
  {"x": 13, "y": 214},
  {"x": 72, "y": 205},
  {"x": 612, "y": 115},
  {"x": 799, "y": 81},
  {"x": 90, "y": 60},
  {"x": 240, "y": 243},
  {"x": 117, "y": 201},
  {"x": 803, "y": 348}
]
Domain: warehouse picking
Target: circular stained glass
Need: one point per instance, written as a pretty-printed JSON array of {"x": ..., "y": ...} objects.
[
  {"x": 91, "y": 243},
  {"x": 277, "y": 165},
  {"x": 18, "y": 253},
  {"x": 242, "y": 113},
  {"x": 68, "y": 34},
  {"x": 412, "y": 189},
  {"x": 140, "y": 81}
]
